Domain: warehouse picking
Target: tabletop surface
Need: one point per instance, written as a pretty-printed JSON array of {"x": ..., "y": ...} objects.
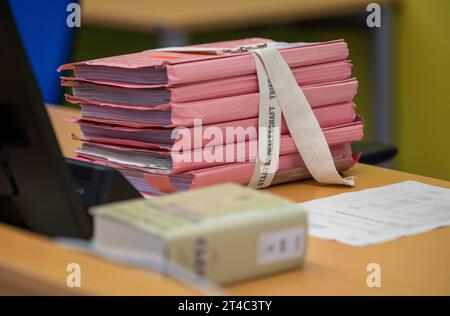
[{"x": 409, "y": 266}]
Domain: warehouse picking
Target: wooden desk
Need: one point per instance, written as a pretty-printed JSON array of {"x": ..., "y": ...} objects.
[{"x": 409, "y": 266}]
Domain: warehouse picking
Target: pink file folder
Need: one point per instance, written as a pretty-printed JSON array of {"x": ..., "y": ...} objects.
[
  {"x": 131, "y": 105},
  {"x": 130, "y": 95},
  {"x": 291, "y": 168},
  {"x": 173, "y": 68},
  {"x": 240, "y": 152},
  {"x": 138, "y": 135},
  {"x": 213, "y": 110}
]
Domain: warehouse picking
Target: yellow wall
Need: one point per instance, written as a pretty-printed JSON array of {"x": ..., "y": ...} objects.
[{"x": 422, "y": 87}]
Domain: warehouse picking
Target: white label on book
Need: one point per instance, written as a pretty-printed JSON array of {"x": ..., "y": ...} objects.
[{"x": 281, "y": 245}]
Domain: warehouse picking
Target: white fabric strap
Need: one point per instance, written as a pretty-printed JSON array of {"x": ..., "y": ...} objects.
[
  {"x": 269, "y": 133},
  {"x": 222, "y": 50},
  {"x": 300, "y": 119},
  {"x": 280, "y": 94}
]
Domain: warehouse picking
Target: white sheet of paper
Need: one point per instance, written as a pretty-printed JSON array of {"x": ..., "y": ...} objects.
[{"x": 380, "y": 214}]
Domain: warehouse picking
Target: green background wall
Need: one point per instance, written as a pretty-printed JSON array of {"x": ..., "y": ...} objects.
[{"x": 422, "y": 86}]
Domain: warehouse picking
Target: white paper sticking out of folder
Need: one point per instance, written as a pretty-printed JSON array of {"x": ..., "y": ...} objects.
[{"x": 381, "y": 214}]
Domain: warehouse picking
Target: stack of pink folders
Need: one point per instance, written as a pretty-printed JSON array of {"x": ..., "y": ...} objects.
[{"x": 172, "y": 120}]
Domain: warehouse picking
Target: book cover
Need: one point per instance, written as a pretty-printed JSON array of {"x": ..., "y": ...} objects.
[{"x": 224, "y": 233}]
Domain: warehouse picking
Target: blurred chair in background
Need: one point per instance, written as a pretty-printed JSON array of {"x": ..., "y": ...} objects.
[
  {"x": 47, "y": 40},
  {"x": 375, "y": 153}
]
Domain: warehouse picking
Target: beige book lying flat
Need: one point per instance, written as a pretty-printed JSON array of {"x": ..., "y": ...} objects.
[{"x": 224, "y": 233}]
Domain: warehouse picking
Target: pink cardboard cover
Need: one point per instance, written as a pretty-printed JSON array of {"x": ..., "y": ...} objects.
[
  {"x": 241, "y": 172},
  {"x": 235, "y": 107},
  {"x": 236, "y": 172},
  {"x": 328, "y": 117},
  {"x": 241, "y": 151},
  {"x": 184, "y": 68},
  {"x": 245, "y": 83}
]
